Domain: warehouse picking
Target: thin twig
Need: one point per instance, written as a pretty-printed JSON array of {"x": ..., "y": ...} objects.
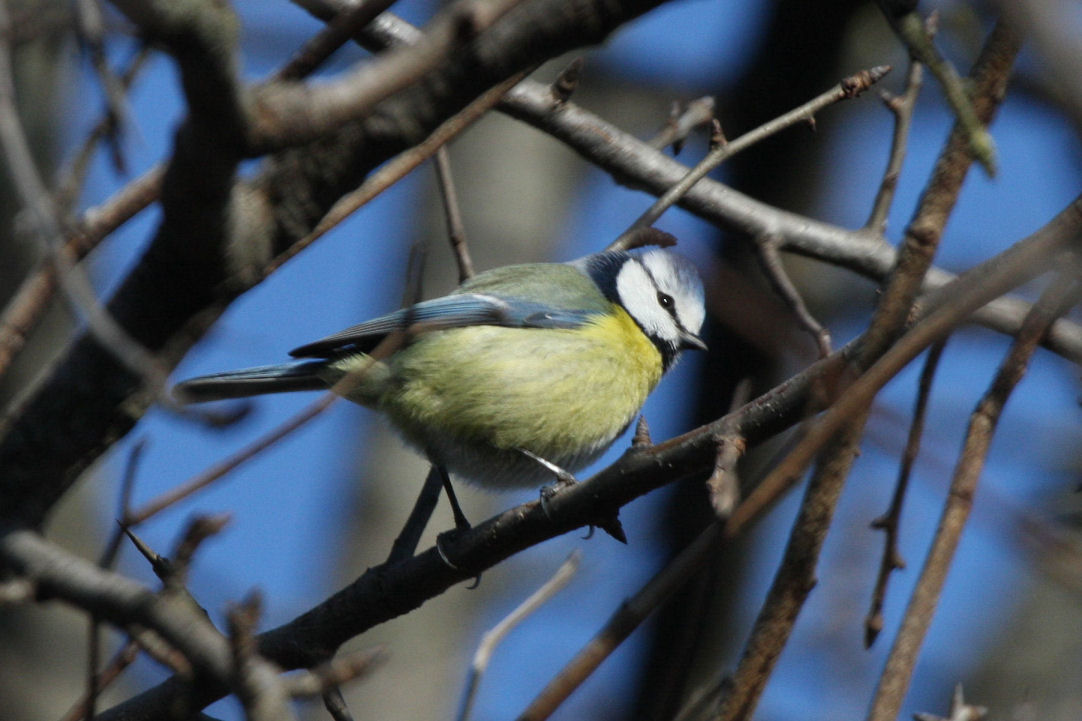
[
  {"x": 1063, "y": 293},
  {"x": 91, "y": 32},
  {"x": 771, "y": 264},
  {"x": 902, "y": 107},
  {"x": 71, "y": 178},
  {"x": 83, "y": 708},
  {"x": 220, "y": 469},
  {"x": 456, "y": 230},
  {"x": 108, "y": 558},
  {"x": 623, "y": 622},
  {"x": 497, "y": 633},
  {"x": 335, "y": 673},
  {"x": 849, "y": 87},
  {"x": 888, "y": 523}
]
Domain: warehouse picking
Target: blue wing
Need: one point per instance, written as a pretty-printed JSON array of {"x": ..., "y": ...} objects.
[{"x": 452, "y": 311}]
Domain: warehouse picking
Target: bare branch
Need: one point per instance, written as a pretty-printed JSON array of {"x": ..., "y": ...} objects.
[
  {"x": 902, "y": 107},
  {"x": 497, "y": 633},
  {"x": 914, "y": 259},
  {"x": 640, "y": 166},
  {"x": 888, "y": 522},
  {"x": 849, "y": 87},
  {"x": 119, "y": 600},
  {"x": 456, "y": 230},
  {"x": 771, "y": 264},
  {"x": 1063, "y": 293},
  {"x": 621, "y": 624}
]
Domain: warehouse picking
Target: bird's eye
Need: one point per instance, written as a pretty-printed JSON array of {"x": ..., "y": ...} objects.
[{"x": 665, "y": 300}]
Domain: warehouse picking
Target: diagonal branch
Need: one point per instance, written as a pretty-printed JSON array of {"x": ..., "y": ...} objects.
[{"x": 1064, "y": 292}]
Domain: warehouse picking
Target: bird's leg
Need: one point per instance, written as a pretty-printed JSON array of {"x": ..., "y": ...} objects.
[
  {"x": 461, "y": 523},
  {"x": 406, "y": 544}
]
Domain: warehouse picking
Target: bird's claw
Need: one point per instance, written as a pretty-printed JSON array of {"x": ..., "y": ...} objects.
[{"x": 442, "y": 553}]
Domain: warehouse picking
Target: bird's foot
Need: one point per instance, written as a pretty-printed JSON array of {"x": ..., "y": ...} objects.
[{"x": 564, "y": 478}]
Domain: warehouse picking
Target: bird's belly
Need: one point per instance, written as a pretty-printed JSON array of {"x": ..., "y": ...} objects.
[{"x": 473, "y": 397}]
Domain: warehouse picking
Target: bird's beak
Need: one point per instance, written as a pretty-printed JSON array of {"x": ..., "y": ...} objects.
[{"x": 690, "y": 341}]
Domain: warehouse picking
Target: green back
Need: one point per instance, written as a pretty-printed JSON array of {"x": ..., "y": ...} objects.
[{"x": 561, "y": 286}]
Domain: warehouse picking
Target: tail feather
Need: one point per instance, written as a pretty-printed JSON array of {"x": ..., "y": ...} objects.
[{"x": 281, "y": 378}]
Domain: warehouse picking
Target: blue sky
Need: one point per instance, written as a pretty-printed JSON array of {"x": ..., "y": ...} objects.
[{"x": 289, "y": 501}]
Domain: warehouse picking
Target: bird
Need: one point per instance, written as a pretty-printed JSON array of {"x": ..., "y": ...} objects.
[{"x": 521, "y": 372}]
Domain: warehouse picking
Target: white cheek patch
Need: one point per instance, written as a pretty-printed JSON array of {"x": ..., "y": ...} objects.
[
  {"x": 676, "y": 276},
  {"x": 638, "y": 294}
]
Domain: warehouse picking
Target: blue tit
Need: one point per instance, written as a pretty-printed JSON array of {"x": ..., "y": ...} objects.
[{"x": 551, "y": 360}]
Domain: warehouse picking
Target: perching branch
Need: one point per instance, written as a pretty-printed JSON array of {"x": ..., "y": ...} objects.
[{"x": 389, "y": 590}]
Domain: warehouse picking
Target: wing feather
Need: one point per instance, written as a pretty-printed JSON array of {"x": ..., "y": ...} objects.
[{"x": 453, "y": 311}]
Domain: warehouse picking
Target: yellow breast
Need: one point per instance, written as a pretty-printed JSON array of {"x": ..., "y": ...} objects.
[{"x": 560, "y": 393}]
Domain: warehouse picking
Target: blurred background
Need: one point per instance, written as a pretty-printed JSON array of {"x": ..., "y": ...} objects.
[{"x": 314, "y": 511}]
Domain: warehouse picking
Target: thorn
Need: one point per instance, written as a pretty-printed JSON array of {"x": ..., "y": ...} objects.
[
  {"x": 613, "y": 527},
  {"x": 893, "y": 102},
  {"x": 872, "y": 626},
  {"x": 717, "y": 135},
  {"x": 162, "y": 566},
  {"x": 641, "y": 439},
  {"x": 567, "y": 81},
  {"x": 673, "y": 123},
  {"x": 959, "y": 710}
]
